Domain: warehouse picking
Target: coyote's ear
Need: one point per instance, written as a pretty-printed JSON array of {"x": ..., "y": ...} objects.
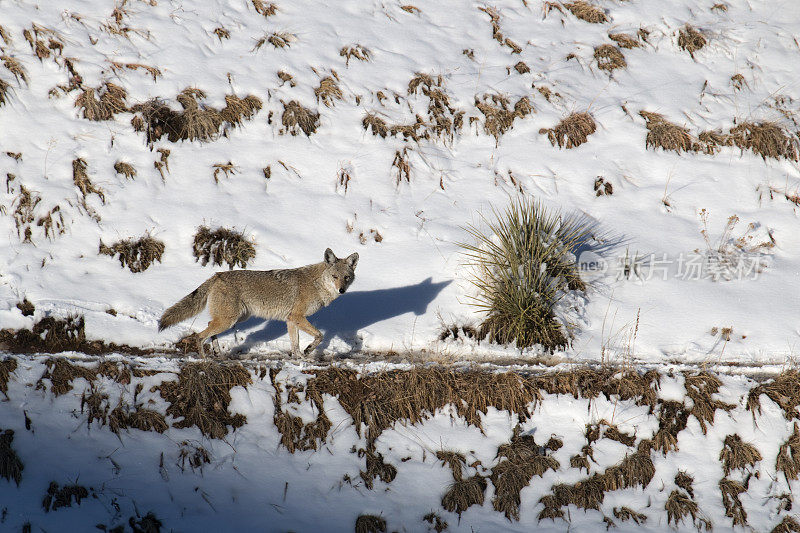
[
  {"x": 330, "y": 257},
  {"x": 352, "y": 260}
]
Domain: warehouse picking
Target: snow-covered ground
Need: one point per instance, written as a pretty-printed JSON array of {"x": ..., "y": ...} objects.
[
  {"x": 251, "y": 482},
  {"x": 411, "y": 282}
]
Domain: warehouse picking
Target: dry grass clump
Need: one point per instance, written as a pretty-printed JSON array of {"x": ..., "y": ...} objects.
[
  {"x": 699, "y": 387},
  {"x": 679, "y": 505},
  {"x": 436, "y": 522},
  {"x": 11, "y": 466},
  {"x": 54, "y": 335},
  {"x": 603, "y": 187},
  {"x": 111, "y": 102},
  {"x": 13, "y": 65},
  {"x": 737, "y": 454},
  {"x": 126, "y": 169},
  {"x": 626, "y": 513},
  {"x": 498, "y": 115},
  {"x": 521, "y": 459},
  {"x": 402, "y": 166},
  {"x": 738, "y": 81},
  {"x": 222, "y": 245},
  {"x": 154, "y": 72},
  {"x": 730, "y": 500},
  {"x": 82, "y": 181},
  {"x": 787, "y": 525},
  {"x": 295, "y": 435},
  {"x": 140, "y": 418},
  {"x": 766, "y": 139},
  {"x": 443, "y": 119},
  {"x": 201, "y": 397},
  {"x": 25, "y": 204},
  {"x": 194, "y": 454},
  {"x": 464, "y": 493},
  {"x": 685, "y": 481},
  {"x": 224, "y": 168},
  {"x": 373, "y": 122},
  {"x": 278, "y": 39},
  {"x": 296, "y": 118},
  {"x": 357, "y": 51},
  {"x": 7, "y": 366},
  {"x": 624, "y": 40},
  {"x": 586, "y": 11},
  {"x": 572, "y": 131},
  {"x": 237, "y": 110},
  {"x": 367, "y": 523},
  {"x": 196, "y": 121},
  {"x": 691, "y": 40},
  {"x": 668, "y": 136},
  {"x": 5, "y": 87},
  {"x": 222, "y": 33},
  {"x": 522, "y": 68},
  {"x": 712, "y": 140},
  {"x": 783, "y": 390},
  {"x": 328, "y": 91},
  {"x": 609, "y": 58},
  {"x": 136, "y": 254},
  {"x": 788, "y": 460},
  {"x": 60, "y": 371},
  {"x": 58, "y": 497},
  {"x": 264, "y": 8}
]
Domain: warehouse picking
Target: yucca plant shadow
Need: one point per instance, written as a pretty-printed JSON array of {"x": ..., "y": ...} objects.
[{"x": 352, "y": 312}]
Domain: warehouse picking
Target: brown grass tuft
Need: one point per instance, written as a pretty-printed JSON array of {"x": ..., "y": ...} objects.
[
  {"x": 436, "y": 522},
  {"x": 730, "y": 500},
  {"x": 267, "y": 9},
  {"x": 82, "y": 181},
  {"x": 222, "y": 245},
  {"x": 766, "y": 139},
  {"x": 373, "y": 122},
  {"x": 297, "y": 118},
  {"x": 224, "y": 168},
  {"x": 58, "y": 497},
  {"x": 586, "y": 11},
  {"x": 5, "y": 87},
  {"x": 626, "y": 513},
  {"x": 738, "y": 81},
  {"x": 7, "y": 366},
  {"x": 788, "y": 525},
  {"x": 498, "y": 116},
  {"x": 522, "y": 68},
  {"x": 691, "y": 40},
  {"x": 783, "y": 390},
  {"x": 668, "y": 136},
  {"x": 572, "y": 131},
  {"x": 679, "y": 506},
  {"x": 788, "y": 460},
  {"x": 737, "y": 454},
  {"x": 464, "y": 493},
  {"x": 402, "y": 166},
  {"x": 111, "y": 102},
  {"x": 194, "y": 454},
  {"x": 278, "y": 39},
  {"x": 685, "y": 481},
  {"x": 201, "y": 397},
  {"x": 521, "y": 459},
  {"x": 294, "y": 434},
  {"x": 699, "y": 387},
  {"x": 13, "y": 65},
  {"x": 137, "y": 254},
  {"x": 609, "y": 58},
  {"x": 11, "y": 466},
  {"x": 625, "y": 40},
  {"x": 58, "y": 370},
  {"x": 367, "y": 523},
  {"x": 357, "y": 51},
  {"x": 222, "y": 33},
  {"x": 328, "y": 91},
  {"x": 237, "y": 109},
  {"x": 126, "y": 169}
]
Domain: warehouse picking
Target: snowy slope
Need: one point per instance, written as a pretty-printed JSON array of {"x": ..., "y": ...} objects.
[{"x": 411, "y": 281}]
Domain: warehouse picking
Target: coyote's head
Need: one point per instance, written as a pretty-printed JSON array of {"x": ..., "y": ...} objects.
[{"x": 341, "y": 271}]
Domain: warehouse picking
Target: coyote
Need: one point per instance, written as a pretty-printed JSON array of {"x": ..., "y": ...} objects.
[{"x": 289, "y": 295}]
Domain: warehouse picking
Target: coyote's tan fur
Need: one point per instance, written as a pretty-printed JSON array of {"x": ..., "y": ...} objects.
[{"x": 289, "y": 295}]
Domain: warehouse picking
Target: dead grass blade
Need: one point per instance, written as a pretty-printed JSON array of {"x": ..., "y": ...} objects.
[
  {"x": 328, "y": 91},
  {"x": 357, "y": 51},
  {"x": 625, "y": 40},
  {"x": 690, "y": 39},
  {"x": 737, "y": 454},
  {"x": 82, "y": 181},
  {"x": 11, "y": 466},
  {"x": 7, "y": 366},
  {"x": 296, "y": 119},
  {"x": 730, "y": 500}
]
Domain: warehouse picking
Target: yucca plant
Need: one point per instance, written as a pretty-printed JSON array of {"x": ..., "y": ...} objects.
[{"x": 522, "y": 263}]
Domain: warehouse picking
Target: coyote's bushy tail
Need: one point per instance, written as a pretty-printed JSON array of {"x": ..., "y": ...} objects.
[{"x": 189, "y": 306}]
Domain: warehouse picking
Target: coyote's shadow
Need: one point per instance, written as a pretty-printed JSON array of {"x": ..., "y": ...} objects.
[{"x": 353, "y": 311}]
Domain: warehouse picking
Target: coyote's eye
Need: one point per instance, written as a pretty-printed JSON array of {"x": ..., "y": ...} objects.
[{"x": 335, "y": 276}]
